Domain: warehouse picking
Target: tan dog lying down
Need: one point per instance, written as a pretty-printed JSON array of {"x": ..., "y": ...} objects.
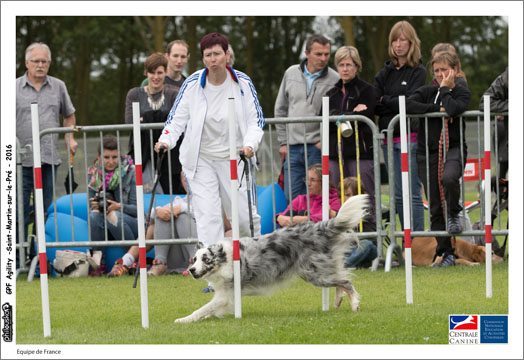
[{"x": 423, "y": 250}]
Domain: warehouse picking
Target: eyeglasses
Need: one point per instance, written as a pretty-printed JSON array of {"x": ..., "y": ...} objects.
[
  {"x": 43, "y": 62},
  {"x": 340, "y": 65},
  {"x": 307, "y": 181}
]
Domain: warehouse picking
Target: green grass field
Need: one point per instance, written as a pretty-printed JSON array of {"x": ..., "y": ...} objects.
[{"x": 107, "y": 311}]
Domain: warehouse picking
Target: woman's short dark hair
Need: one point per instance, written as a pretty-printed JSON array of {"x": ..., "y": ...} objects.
[
  {"x": 153, "y": 61},
  {"x": 109, "y": 142},
  {"x": 213, "y": 39}
]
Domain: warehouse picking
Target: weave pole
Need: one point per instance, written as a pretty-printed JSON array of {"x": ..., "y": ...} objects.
[
  {"x": 234, "y": 207},
  {"x": 487, "y": 193},
  {"x": 325, "y": 180},
  {"x": 39, "y": 211},
  {"x": 137, "y": 141},
  {"x": 405, "y": 199}
]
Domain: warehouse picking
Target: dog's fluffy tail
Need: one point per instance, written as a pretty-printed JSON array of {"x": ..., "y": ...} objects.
[{"x": 352, "y": 211}]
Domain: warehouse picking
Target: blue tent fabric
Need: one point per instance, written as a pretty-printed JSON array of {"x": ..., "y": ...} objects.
[
  {"x": 265, "y": 207},
  {"x": 63, "y": 205}
]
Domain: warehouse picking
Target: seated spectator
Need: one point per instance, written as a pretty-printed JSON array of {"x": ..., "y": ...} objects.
[
  {"x": 168, "y": 258},
  {"x": 362, "y": 255},
  {"x": 106, "y": 175},
  {"x": 300, "y": 206},
  {"x": 443, "y": 185}
]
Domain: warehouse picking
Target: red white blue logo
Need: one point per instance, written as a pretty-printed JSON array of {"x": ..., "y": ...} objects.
[{"x": 463, "y": 322}]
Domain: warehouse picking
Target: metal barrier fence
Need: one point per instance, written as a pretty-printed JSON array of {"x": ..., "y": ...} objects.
[
  {"x": 267, "y": 153},
  {"x": 476, "y": 116},
  {"x": 84, "y": 131},
  {"x": 377, "y": 137}
]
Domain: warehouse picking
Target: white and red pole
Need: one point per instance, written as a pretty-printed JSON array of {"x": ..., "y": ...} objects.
[
  {"x": 39, "y": 210},
  {"x": 405, "y": 199},
  {"x": 325, "y": 180},
  {"x": 140, "y": 215},
  {"x": 487, "y": 193},
  {"x": 234, "y": 207}
]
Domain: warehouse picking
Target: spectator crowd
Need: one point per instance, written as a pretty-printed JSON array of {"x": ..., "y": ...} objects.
[{"x": 194, "y": 111}]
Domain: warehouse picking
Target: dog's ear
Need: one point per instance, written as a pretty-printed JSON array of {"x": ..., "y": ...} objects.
[
  {"x": 220, "y": 253},
  {"x": 216, "y": 250}
]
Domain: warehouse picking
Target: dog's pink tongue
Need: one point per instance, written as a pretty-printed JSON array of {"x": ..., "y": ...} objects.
[{"x": 185, "y": 273}]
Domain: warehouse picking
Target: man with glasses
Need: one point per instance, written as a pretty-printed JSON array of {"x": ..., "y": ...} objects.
[{"x": 53, "y": 100}]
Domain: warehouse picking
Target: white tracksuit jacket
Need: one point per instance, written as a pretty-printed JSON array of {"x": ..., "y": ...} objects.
[{"x": 189, "y": 111}]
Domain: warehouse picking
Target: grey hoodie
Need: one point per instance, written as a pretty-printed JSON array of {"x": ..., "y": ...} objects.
[{"x": 293, "y": 101}]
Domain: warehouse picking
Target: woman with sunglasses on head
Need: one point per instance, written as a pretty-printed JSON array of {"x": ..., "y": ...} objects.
[{"x": 446, "y": 157}]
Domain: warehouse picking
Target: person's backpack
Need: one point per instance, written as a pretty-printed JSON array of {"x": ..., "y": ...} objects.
[{"x": 69, "y": 263}]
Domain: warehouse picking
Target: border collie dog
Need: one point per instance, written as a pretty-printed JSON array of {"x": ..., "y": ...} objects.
[{"x": 312, "y": 251}]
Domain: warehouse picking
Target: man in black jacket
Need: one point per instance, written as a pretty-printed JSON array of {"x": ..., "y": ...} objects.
[{"x": 498, "y": 99}]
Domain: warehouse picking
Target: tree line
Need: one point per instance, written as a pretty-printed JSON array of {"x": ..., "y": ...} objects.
[{"x": 101, "y": 57}]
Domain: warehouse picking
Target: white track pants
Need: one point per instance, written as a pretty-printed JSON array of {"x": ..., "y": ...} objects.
[{"x": 211, "y": 192}]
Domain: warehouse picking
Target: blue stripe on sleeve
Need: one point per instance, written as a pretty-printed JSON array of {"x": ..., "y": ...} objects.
[
  {"x": 260, "y": 114},
  {"x": 189, "y": 80}
]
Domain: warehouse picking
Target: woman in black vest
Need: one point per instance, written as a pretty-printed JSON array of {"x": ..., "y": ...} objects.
[
  {"x": 352, "y": 96},
  {"x": 156, "y": 100}
]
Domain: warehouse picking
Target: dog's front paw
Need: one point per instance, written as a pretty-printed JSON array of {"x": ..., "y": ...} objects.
[
  {"x": 355, "y": 306},
  {"x": 183, "y": 320}
]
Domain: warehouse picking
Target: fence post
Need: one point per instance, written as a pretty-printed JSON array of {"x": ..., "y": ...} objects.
[
  {"x": 140, "y": 215},
  {"x": 234, "y": 208},
  {"x": 325, "y": 180},
  {"x": 39, "y": 219},
  {"x": 405, "y": 199},
  {"x": 487, "y": 193}
]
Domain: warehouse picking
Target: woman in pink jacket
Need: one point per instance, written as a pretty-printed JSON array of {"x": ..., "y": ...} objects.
[{"x": 299, "y": 204}]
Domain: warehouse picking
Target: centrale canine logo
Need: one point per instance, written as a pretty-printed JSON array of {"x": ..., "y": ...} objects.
[{"x": 464, "y": 322}]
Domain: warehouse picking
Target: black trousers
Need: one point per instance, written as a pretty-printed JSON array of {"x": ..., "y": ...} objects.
[{"x": 453, "y": 171}]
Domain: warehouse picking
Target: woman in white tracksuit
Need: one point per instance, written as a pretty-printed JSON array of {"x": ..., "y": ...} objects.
[{"x": 201, "y": 111}]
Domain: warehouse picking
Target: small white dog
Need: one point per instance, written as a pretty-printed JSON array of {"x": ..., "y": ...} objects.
[{"x": 312, "y": 251}]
